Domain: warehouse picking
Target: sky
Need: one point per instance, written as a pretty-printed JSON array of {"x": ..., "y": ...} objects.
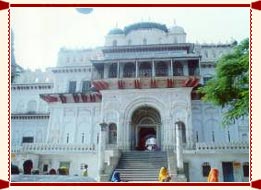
[{"x": 39, "y": 33}]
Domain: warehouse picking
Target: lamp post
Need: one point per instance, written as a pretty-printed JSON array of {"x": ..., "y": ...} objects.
[{"x": 101, "y": 149}]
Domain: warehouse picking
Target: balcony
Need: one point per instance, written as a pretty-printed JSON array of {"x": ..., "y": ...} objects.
[
  {"x": 240, "y": 147},
  {"x": 148, "y": 82},
  {"x": 44, "y": 148}
]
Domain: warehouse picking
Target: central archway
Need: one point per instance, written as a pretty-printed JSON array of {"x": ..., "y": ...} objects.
[{"x": 145, "y": 128}]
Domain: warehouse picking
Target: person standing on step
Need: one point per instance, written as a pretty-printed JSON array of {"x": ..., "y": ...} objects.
[
  {"x": 213, "y": 175},
  {"x": 85, "y": 171},
  {"x": 164, "y": 175},
  {"x": 116, "y": 177}
]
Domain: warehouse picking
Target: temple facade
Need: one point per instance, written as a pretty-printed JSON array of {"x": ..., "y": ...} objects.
[{"x": 136, "y": 93}]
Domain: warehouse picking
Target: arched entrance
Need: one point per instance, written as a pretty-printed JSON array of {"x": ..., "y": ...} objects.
[
  {"x": 145, "y": 122},
  {"x": 27, "y": 166}
]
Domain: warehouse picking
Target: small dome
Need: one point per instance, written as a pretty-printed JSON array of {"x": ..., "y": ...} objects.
[
  {"x": 177, "y": 29},
  {"x": 116, "y": 31}
]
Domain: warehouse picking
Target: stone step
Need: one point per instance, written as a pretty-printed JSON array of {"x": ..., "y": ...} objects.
[{"x": 141, "y": 166}]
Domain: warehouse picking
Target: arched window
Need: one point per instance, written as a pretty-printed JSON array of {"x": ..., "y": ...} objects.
[
  {"x": 161, "y": 69},
  {"x": 129, "y": 42},
  {"x": 205, "y": 169},
  {"x": 178, "y": 69},
  {"x": 112, "y": 133},
  {"x": 114, "y": 43},
  {"x": 129, "y": 70},
  {"x": 113, "y": 70},
  {"x": 145, "y": 69}
]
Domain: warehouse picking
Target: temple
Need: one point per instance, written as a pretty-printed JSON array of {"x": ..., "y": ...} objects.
[{"x": 130, "y": 105}]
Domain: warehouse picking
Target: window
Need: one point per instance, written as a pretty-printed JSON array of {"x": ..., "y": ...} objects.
[
  {"x": 206, "y": 79},
  {"x": 246, "y": 169},
  {"x": 161, "y": 69},
  {"x": 82, "y": 137},
  {"x": 129, "y": 70},
  {"x": 145, "y": 69},
  {"x": 178, "y": 69},
  {"x": 196, "y": 136},
  {"x": 86, "y": 85},
  {"x": 72, "y": 86},
  {"x": 193, "y": 68},
  {"x": 67, "y": 138},
  {"x": 28, "y": 140},
  {"x": 113, "y": 70},
  {"x": 129, "y": 42},
  {"x": 112, "y": 133},
  {"x": 205, "y": 169},
  {"x": 228, "y": 136},
  {"x": 45, "y": 168},
  {"x": 213, "y": 136}
]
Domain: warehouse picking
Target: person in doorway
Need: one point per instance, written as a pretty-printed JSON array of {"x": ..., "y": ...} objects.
[
  {"x": 85, "y": 171},
  {"x": 164, "y": 175},
  {"x": 213, "y": 175},
  {"x": 116, "y": 177}
]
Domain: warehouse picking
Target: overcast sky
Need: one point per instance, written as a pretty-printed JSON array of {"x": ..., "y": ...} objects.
[{"x": 41, "y": 32}]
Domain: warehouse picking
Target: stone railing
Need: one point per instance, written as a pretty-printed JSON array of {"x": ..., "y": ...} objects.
[
  {"x": 222, "y": 147},
  {"x": 48, "y": 148}
]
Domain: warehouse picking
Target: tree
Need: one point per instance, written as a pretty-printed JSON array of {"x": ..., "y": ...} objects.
[{"x": 229, "y": 88}]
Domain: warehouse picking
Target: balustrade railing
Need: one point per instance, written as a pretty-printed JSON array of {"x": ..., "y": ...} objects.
[
  {"x": 238, "y": 147},
  {"x": 46, "y": 148}
]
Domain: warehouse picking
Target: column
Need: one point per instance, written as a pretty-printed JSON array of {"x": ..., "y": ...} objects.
[
  {"x": 101, "y": 148},
  {"x": 185, "y": 68},
  {"x": 179, "y": 147},
  {"x": 171, "y": 68},
  {"x": 118, "y": 69},
  {"x": 153, "y": 68},
  {"x": 137, "y": 68},
  {"x": 106, "y": 71}
]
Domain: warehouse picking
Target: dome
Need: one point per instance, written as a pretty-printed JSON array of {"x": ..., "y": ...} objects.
[
  {"x": 177, "y": 29},
  {"x": 116, "y": 31},
  {"x": 145, "y": 25}
]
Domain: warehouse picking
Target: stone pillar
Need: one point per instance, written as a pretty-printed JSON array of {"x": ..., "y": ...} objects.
[
  {"x": 185, "y": 68},
  {"x": 171, "y": 68},
  {"x": 179, "y": 148},
  {"x": 137, "y": 69},
  {"x": 101, "y": 149},
  {"x": 153, "y": 68},
  {"x": 118, "y": 69},
  {"x": 106, "y": 71}
]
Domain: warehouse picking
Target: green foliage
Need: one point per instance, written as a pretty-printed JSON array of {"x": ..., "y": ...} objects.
[{"x": 230, "y": 87}]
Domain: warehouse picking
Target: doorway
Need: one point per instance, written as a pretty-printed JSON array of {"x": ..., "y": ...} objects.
[
  {"x": 228, "y": 172},
  {"x": 145, "y": 129}
]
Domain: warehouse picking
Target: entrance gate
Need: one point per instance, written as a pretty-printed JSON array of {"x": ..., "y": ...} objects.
[{"x": 145, "y": 128}]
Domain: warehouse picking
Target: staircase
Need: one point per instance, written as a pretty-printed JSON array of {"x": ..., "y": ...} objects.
[{"x": 141, "y": 165}]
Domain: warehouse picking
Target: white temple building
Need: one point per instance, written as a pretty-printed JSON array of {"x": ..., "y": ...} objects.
[{"x": 136, "y": 95}]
